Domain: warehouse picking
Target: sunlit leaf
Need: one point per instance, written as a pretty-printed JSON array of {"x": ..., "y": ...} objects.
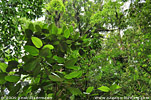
[
  {"x": 37, "y": 42},
  {"x": 59, "y": 30},
  {"x": 48, "y": 46},
  {"x": 66, "y": 33},
  {"x": 89, "y": 89},
  {"x": 74, "y": 74},
  {"x": 3, "y": 67},
  {"x": 104, "y": 88},
  {"x": 12, "y": 78}
]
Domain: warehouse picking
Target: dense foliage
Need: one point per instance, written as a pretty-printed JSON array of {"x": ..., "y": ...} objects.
[{"x": 82, "y": 50}]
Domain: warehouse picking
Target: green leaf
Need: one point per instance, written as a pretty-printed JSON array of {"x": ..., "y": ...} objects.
[
  {"x": 64, "y": 47},
  {"x": 49, "y": 46},
  {"x": 3, "y": 67},
  {"x": 38, "y": 28},
  {"x": 27, "y": 58},
  {"x": 114, "y": 87},
  {"x": 58, "y": 59},
  {"x": 54, "y": 29},
  {"x": 69, "y": 41},
  {"x": 66, "y": 33},
  {"x": 31, "y": 26},
  {"x": 71, "y": 62},
  {"x": 12, "y": 78},
  {"x": 55, "y": 78},
  {"x": 45, "y": 26},
  {"x": 15, "y": 89},
  {"x": 74, "y": 91},
  {"x": 28, "y": 33},
  {"x": 29, "y": 66},
  {"x": 59, "y": 31},
  {"x": 37, "y": 70},
  {"x": 64, "y": 28},
  {"x": 2, "y": 78},
  {"x": 32, "y": 50},
  {"x": 37, "y": 42},
  {"x": 104, "y": 88},
  {"x": 89, "y": 89},
  {"x": 45, "y": 53},
  {"x": 72, "y": 97},
  {"x": 74, "y": 74},
  {"x": 74, "y": 67},
  {"x": 71, "y": 28}
]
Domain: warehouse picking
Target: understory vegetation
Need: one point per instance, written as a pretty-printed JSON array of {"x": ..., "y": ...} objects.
[{"x": 81, "y": 50}]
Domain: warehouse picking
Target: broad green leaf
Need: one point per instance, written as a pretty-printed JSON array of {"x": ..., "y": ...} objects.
[
  {"x": 37, "y": 42},
  {"x": 38, "y": 28},
  {"x": 74, "y": 91},
  {"x": 74, "y": 74},
  {"x": 69, "y": 41},
  {"x": 27, "y": 58},
  {"x": 12, "y": 78},
  {"x": 45, "y": 26},
  {"x": 32, "y": 50},
  {"x": 114, "y": 87},
  {"x": 37, "y": 70},
  {"x": 45, "y": 52},
  {"x": 59, "y": 31},
  {"x": 71, "y": 62},
  {"x": 2, "y": 78},
  {"x": 55, "y": 78},
  {"x": 54, "y": 29},
  {"x": 72, "y": 97},
  {"x": 49, "y": 46},
  {"x": 58, "y": 59},
  {"x": 47, "y": 86},
  {"x": 29, "y": 66},
  {"x": 31, "y": 26},
  {"x": 3, "y": 67},
  {"x": 89, "y": 89},
  {"x": 74, "y": 67},
  {"x": 64, "y": 28},
  {"x": 56, "y": 43},
  {"x": 15, "y": 89},
  {"x": 28, "y": 33},
  {"x": 104, "y": 88},
  {"x": 77, "y": 35},
  {"x": 71, "y": 28},
  {"x": 64, "y": 47},
  {"x": 66, "y": 33}
]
